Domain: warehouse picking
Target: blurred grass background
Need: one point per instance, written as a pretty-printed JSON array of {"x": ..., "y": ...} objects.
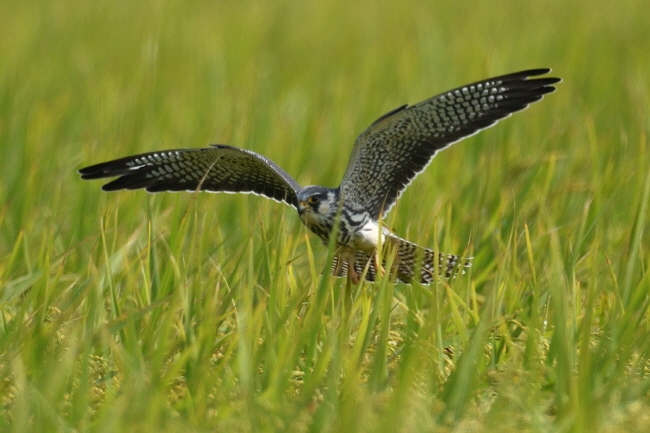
[{"x": 177, "y": 312}]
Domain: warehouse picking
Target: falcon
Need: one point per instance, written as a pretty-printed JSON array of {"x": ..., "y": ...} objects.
[{"x": 385, "y": 159}]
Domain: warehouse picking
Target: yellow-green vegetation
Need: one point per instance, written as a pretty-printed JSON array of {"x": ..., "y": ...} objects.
[{"x": 133, "y": 312}]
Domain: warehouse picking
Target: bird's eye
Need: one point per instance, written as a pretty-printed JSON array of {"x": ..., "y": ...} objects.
[{"x": 314, "y": 199}]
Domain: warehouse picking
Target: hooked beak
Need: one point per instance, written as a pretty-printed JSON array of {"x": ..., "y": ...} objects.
[{"x": 302, "y": 207}]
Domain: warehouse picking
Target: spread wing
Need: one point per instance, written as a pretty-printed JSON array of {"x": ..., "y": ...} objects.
[
  {"x": 399, "y": 145},
  {"x": 218, "y": 168}
]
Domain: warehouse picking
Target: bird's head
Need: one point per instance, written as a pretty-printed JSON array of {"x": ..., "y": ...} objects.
[{"x": 316, "y": 203}]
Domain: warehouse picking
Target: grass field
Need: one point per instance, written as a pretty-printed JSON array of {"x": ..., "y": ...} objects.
[{"x": 133, "y": 312}]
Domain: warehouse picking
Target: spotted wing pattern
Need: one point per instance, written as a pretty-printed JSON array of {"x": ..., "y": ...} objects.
[
  {"x": 409, "y": 258},
  {"x": 399, "y": 145},
  {"x": 218, "y": 168}
]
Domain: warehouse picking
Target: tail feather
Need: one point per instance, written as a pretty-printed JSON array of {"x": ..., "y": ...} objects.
[{"x": 409, "y": 258}]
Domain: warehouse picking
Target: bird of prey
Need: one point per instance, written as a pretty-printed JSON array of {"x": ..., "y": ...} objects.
[{"x": 385, "y": 158}]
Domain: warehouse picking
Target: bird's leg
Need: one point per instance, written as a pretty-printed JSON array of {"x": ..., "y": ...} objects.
[
  {"x": 347, "y": 258},
  {"x": 352, "y": 273},
  {"x": 379, "y": 269}
]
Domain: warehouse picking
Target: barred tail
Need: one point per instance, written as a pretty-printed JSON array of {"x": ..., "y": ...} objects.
[
  {"x": 412, "y": 256},
  {"x": 409, "y": 258}
]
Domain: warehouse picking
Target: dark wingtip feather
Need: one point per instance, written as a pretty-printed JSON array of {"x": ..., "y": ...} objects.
[
  {"x": 545, "y": 84},
  {"x": 86, "y": 171},
  {"x": 91, "y": 173},
  {"x": 535, "y": 72},
  {"x": 113, "y": 168},
  {"x": 528, "y": 77}
]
